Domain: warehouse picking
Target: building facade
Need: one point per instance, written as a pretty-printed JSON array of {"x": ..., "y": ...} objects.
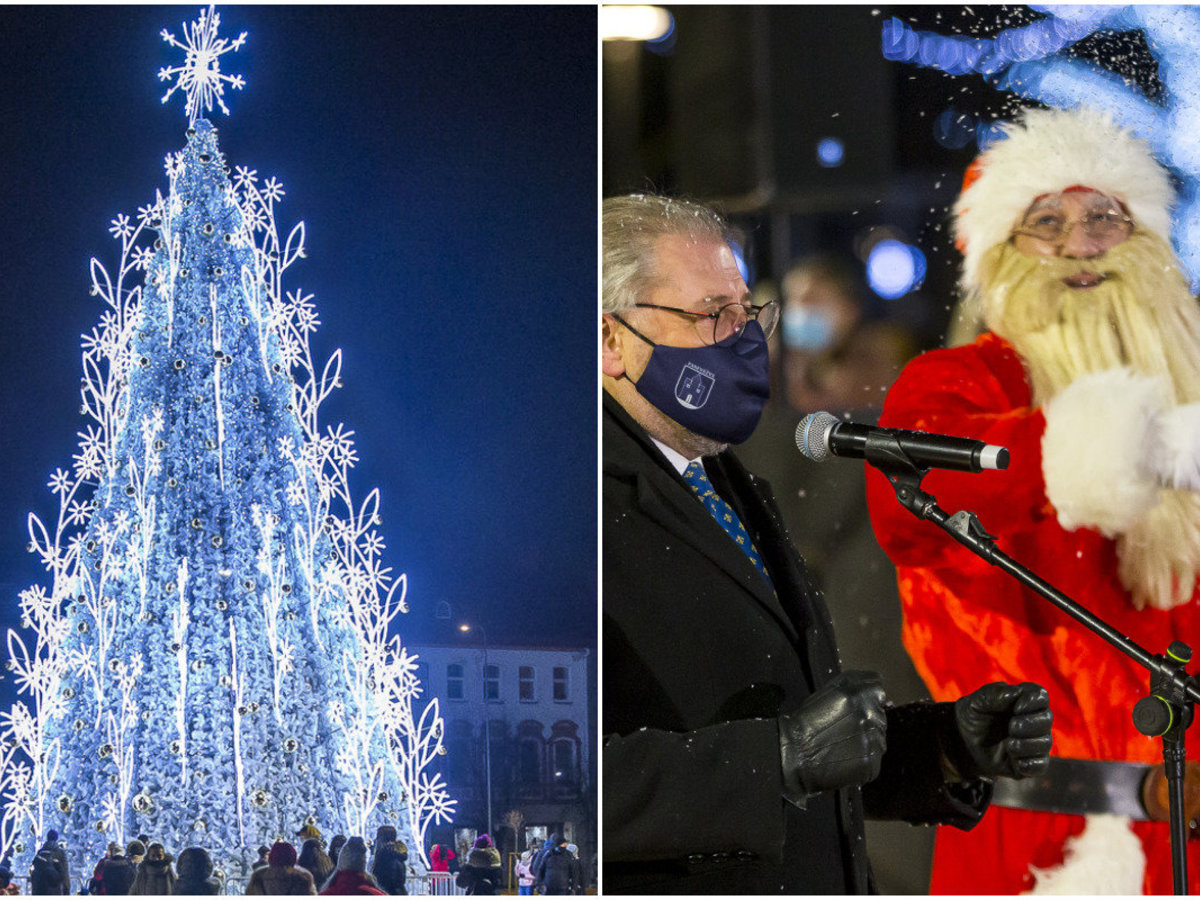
[{"x": 516, "y": 719}]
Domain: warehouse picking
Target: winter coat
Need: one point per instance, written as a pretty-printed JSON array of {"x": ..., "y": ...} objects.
[
  {"x": 390, "y": 867},
  {"x": 154, "y": 876},
  {"x": 441, "y": 858},
  {"x": 559, "y": 872},
  {"x": 314, "y": 858},
  {"x": 481, "y": 872},
  {"x": 49, "y": 872},
  {"x": 524, "y": 872},
  {"x": 347, "y": 882},
  {"x": 281, "y": 880},
  {"x": 967, "y": 623},
  {"x": 701, "y": 655},
  {"x": 46, "y": 873},
  {"x": 194, "y": 870},
  {"x": 116, "y": 875}
]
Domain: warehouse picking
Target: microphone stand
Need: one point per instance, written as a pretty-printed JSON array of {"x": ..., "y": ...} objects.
[{"x": 1166, "y": 711}]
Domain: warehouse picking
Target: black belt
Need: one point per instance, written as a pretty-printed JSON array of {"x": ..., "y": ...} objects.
[{"x": 1078, "y": 787}]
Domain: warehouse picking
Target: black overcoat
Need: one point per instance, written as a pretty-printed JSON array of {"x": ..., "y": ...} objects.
[{"x": 700, "y": 656}]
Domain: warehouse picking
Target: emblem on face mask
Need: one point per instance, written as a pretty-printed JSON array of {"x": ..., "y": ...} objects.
[{"x": 694, "y": 386}]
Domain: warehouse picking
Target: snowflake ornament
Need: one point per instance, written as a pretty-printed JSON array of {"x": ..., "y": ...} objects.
[{"x": 200, "y": 75}]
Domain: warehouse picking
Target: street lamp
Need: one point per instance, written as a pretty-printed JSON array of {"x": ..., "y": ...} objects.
[{"x": 487, "y": 721}]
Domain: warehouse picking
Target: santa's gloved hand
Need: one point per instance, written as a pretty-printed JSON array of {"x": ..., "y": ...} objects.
[
  {"x": 1005, "y": 730},
  {"x": 836, "y": 738}
]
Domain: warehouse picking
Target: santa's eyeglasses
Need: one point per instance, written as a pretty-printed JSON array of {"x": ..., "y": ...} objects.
[{"x": 1105, "y": 224}]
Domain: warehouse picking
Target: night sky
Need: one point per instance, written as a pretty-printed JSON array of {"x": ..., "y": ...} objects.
[{"x": 443, "y": 160}]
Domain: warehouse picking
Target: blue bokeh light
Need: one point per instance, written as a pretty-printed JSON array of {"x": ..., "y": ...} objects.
[
  {"x": 830, "y": 152},
  {"x": 953, "y": 129},
  {"x": 894, "y": 268}
]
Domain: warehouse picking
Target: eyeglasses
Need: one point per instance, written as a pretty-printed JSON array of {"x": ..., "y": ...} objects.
[
  {"x": 727, "y": 321},
  {"x": 1103, "y": 225}
]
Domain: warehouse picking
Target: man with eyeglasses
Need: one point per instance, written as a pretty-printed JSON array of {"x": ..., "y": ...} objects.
[
  {"x": 1089, "y": 374},
  {"x": 738, "y": 757}
]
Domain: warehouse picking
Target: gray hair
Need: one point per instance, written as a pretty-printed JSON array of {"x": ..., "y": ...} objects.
[{"x": 630, "y": 228}]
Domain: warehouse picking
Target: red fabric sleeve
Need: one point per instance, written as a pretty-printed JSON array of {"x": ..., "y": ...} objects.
[{"x": 977, "y": 392}]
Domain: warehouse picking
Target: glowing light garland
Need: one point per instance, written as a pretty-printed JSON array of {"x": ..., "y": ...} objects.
[
  {"x": 1030, "y": 61},
  {"x": 214, "y": 662},
  {"x": 200, "y": 75}
]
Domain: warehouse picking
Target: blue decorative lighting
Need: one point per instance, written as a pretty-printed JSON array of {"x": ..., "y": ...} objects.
[
  {"x": 1032, "y": 62},
  {"x": 894, "y": 268},
  {"x": 953, "y": 129},
  {"x": 830, "y": 152}
]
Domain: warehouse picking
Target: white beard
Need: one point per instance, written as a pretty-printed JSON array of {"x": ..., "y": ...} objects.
[{"x": 1143, "y": 317}]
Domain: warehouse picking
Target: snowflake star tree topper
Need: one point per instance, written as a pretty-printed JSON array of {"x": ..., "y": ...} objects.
[{"x": 200, "y": 75}]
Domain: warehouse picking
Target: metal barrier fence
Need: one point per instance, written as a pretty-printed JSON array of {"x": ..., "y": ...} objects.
[{"x": 435, "y": 884}]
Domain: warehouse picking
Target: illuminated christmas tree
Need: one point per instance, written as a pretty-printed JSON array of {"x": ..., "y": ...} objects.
[{"x": 213, "y": 662}]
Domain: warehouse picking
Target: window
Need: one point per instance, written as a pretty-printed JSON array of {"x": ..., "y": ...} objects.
[
  {"x": 561, "y": 684},
  {"x": 564, "y": 762},
  {"x": 454, "y": 682},
  {"x": 529, "y": 762},
  {"x": 491, "y": 683},
  {"x": 525, "y": 684}
]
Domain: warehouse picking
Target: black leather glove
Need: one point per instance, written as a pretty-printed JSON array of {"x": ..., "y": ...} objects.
[
  {"x": 836, "y": 738},
  {"x": 1005, "y": 729}
]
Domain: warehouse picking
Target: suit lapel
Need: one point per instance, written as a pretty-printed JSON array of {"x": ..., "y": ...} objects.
[{"x": 684, "y": 516}]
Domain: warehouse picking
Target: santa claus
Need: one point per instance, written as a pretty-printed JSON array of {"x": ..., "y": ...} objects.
[{"x": 1089, "y": 373}]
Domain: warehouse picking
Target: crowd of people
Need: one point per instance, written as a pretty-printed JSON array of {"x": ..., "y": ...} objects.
[
  {"x": 552, "y": 868},
  {"x": 347, "y": 866}
]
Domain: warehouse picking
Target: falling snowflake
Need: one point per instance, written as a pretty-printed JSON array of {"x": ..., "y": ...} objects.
[{"x": 200, "y": 75}]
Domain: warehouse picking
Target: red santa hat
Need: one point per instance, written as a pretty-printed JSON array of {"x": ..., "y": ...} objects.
[{"x": 1047, "y": 151}]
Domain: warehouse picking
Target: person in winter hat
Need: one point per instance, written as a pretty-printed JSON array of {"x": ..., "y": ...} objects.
[
  {"x": 336, "y": 843},
  {"x": 263, "y": 852},
  {"x": 390, "y": 863},
  {"x": 480, "y": 874},
  {"x": 350, "y": 877},
  {"x": 194, "y": 869},
  {"x": 116, "y": 872},
  {"x": 136, "y": 851},
  {"x": 154, "y": 873},
  {"x": 524, "y": 873},
  {"x": 1089, "y": 374},
  {"x": 93, "y": 886},
  {"x": 281, "y": 875},
  {"x": 558, "y": 872},
  {"x": 49, "y": 871},
  {"x": 577, "y": 880},
  {"x": 314, "y": 858}
]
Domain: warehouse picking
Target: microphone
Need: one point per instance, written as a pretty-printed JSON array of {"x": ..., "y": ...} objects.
[{"x": 819, "y": 434}]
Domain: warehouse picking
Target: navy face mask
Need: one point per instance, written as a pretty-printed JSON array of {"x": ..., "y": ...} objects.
[{"x": 717, "y": 391}]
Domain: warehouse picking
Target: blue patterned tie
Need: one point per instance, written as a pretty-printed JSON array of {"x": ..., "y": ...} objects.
[{"x": 721, "y": 511}]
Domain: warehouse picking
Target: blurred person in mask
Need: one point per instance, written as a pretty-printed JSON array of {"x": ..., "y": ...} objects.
[{"x": 834, "y": 357}]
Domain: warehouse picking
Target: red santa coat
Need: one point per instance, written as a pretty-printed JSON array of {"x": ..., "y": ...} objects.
[{"x": 967, "y": 623}]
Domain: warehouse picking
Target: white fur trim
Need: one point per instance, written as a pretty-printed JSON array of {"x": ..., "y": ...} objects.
[
  {"x": 1094, "y": 450},
  {"x": 1105, "y": 858},
  {"x": 1175, "y": 455},
  {"x": 1048, "y": 150}
]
